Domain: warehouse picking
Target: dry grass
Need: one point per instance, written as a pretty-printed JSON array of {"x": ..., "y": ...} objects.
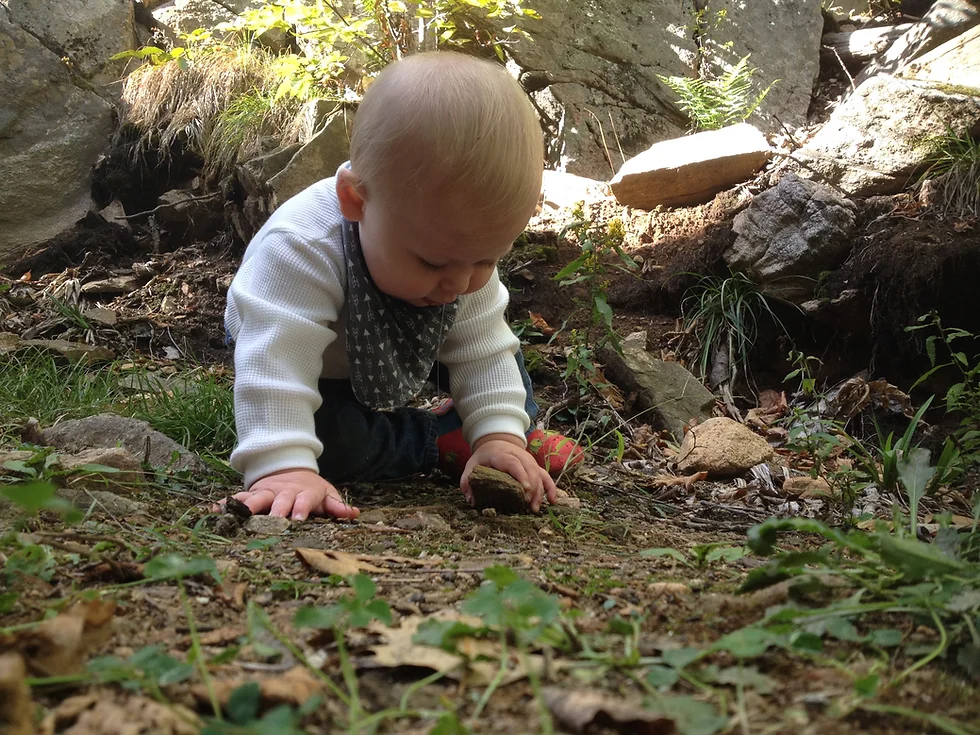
[{"x": 220, "y": 105}]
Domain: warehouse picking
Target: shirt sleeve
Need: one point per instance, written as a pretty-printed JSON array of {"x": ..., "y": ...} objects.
[
  {"x": 287, "y": 294},
  {"x": 484, "y": 379}
]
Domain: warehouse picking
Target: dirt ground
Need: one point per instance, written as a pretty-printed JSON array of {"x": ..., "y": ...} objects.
[{"x": 427, "y": 549}]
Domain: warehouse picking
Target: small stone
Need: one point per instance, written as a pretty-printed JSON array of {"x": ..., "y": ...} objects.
[
  {"x": 423, "y": 521},
  {"x": 495, "y": 489},
  {"x": 267, "y": 525},
  {"x": 618, "y": 532},
  {"x": 372, "y": 517}
]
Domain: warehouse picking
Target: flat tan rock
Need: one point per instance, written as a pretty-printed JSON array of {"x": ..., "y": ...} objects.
[
  {"x": 497, "y": 490},
  {"x": 691, "y": 170},
  {"x": 722, "y": 447}
]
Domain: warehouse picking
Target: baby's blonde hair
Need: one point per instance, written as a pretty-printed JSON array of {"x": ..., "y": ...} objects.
[{"x": 449, "y": 126}]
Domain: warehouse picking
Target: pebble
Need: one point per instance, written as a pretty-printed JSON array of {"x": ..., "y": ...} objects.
[
  {"x": 373, "y": 516},
  {"x": 423, "y": 521},
  {"x": 267, "y": 525}
]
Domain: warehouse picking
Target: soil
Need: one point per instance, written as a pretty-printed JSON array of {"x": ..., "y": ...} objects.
[{"x": 424, "y": 546}]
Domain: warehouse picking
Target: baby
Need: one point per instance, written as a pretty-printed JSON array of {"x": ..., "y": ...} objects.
[{"x": 364, "y": 286}]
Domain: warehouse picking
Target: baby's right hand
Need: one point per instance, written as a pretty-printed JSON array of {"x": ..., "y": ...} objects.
[{"x": 296, "y": 494}]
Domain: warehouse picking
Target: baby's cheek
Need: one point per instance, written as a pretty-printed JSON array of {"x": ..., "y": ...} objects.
[{"x": 478, "y": 281}]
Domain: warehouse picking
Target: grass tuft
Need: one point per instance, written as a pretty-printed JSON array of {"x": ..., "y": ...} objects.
[{"x": 954, "y": 167}]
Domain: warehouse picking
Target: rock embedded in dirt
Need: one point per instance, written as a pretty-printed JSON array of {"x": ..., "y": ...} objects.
[
  {"x": 267, "y": 525},
  {"x": 110, "y": 430},
  {"x": 722, "y": 448},
  {"x": 497, "y": 490},
  {"x": 423, "y": 522},
  {"x": 373, "y": 516},
  {"x": 104, "y": 502},
  {"x": 125, "y": 480},
  {"x": 789, "y": 235},
  {"x": 667, "y": 390}
]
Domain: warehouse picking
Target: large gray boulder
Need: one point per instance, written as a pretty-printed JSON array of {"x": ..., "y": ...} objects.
[
  {"x": 184, "y": 16},
  {"x": 789, "y": 234},
  {"x": 879, "y": 138},
  {"x": 51, "y": 133},
  {"x": 86, "y": 33},
  {"x": 592, "y": 69}
]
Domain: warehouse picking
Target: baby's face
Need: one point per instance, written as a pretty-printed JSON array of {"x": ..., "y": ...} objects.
[{"x": 426, "y": 256}]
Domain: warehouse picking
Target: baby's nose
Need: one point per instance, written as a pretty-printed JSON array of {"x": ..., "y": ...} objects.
[{"x": 457, "y": 280}]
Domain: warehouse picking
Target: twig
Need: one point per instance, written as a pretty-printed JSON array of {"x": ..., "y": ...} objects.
[
  {"x": 841, "y": 62},
  {"x": 201, "y": 198},
  {"x": 602, "y": 136}
]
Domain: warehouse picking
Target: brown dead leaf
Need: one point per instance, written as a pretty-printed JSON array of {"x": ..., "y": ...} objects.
[
  {"x": 100, "y": 714},
  {"x": 668, "y": 589},
  {"x": 336, "y": 562},
  {"x": 538, "y": 322},
  {"x": 293, "y": 688},
  {"x": 581, "y": 709},
  {"x": 476, "y": 659},
  {"x": 26, "y": 277},
  {"x": 57, "y": 647},
  {"x": 686, "y": 480},
  {"x": 771, "y": 401},
  {"x": 17, "y": 712}
]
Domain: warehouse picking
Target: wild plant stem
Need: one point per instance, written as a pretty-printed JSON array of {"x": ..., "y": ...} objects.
[
  {"x": 943, "y": 640},
  {"x": 492, "y": 687},
  {"x": 198, "y": 652}
]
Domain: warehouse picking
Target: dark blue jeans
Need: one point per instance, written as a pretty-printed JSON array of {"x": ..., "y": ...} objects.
[{"x": 364, "y": 444}]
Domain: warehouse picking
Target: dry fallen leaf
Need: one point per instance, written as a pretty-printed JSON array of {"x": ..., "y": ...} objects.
[
  {"x": 538, "y": 322},
  {"x": 57, "y": 647},
  {"x": 668, "y": 589},
  {"x": 103, "y": 714},
  {"x": 579, "y": 710},
  {"x": 336, "y": 562},
  {"x": 293, "y": 688},
  {"x": 398, "y": 649},
  {"x": 17, "y": 712},
  {"x": 686, "y": 480}
]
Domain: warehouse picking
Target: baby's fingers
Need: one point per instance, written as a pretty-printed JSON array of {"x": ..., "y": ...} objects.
[{"x": 259, "y": 501}]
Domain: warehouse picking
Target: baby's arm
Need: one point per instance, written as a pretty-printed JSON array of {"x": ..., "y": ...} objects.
[
  {"x": 285, "y": 296},
  {"x": 488, "y": 392}
]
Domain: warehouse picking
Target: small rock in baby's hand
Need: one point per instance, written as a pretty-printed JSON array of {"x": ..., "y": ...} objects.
[{"x": 495, "y": 489}]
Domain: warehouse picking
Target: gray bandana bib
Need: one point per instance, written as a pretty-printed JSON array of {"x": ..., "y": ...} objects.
[{"x": 391, "y": 345}]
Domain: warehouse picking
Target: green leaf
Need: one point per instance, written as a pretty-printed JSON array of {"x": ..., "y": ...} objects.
[
  {"x": 805, "y": 641},
  {"x": 31, "y": 497},
  {"x": 843, "y": 630},
  {"x": 725, "y": 553},
  {"x": 571, "y": 268},
  {"x": 174, "y": 566},
  {"x": 661, "y": 677},
  {"x": 262, "y": 543},
  {"x": 690, "y": 716},
  {"x": 599, "y": 299},
  {"x": 672, "y": 553},
  {"x": 965, "y": 601},
  {"x": 747, "y": 643},
  {"x": 443, "y": 633},
  {"x": 500, "y": 575},
  {"x": 449, "y": 724},
  {"x": 885, "y": 637},
  {"x": 867, "y": 686},
  {"x": 680, "y": 657},
  {"x": 916, "y": 559},
  {"x": 7, "y": 601},
  {"x": 748, "y": 676},
  {"x": 318, "y": 617},
  {"x": 363, "y": 586},
  {"x": 243, "y": 704},
  {"x": 100, "y": 469}
]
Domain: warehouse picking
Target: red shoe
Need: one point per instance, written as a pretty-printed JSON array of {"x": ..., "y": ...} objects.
[
  {"x": 454, "y": 453},
  {"x": 553, "y": 451}
]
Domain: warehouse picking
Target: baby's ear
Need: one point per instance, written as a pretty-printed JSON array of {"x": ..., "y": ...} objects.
[{"x": 350, "y": 192}]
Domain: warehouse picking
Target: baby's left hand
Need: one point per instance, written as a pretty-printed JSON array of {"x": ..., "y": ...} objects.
[{"x": 505, "y": 452}]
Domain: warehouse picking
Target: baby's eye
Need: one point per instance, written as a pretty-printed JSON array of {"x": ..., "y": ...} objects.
[{"x": 429, "y": 266}]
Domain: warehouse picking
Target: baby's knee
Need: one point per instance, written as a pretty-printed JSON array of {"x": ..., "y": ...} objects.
[{"x": 346, "y": 437}]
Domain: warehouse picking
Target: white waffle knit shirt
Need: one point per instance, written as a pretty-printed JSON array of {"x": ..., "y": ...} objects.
[{"x": 286, "y": 313}]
